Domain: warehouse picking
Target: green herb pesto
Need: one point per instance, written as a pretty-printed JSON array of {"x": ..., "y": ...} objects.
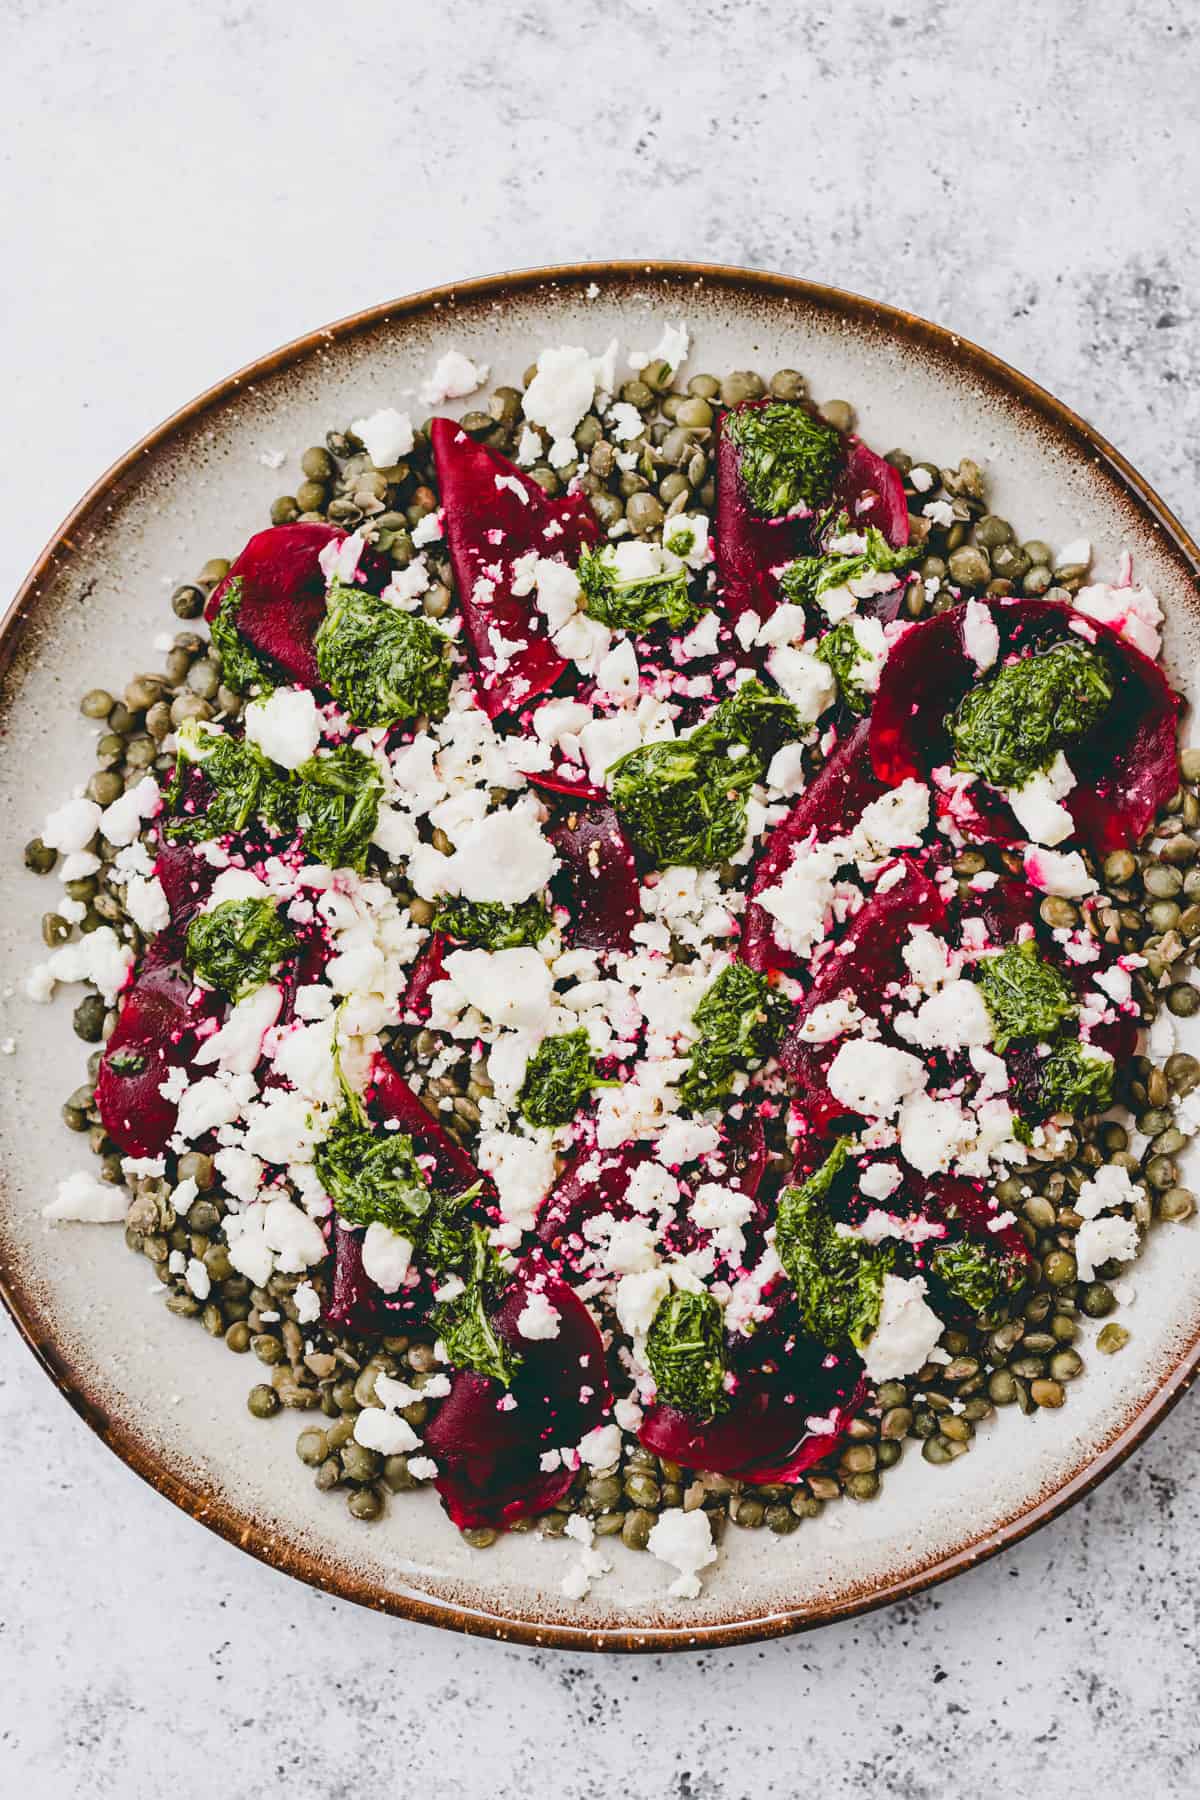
[
  {"x": 243, "y": 783},
  {"x": 838, "y": 1280},
  {"x": 805, "y": 580},
  {"x": 1076, "y": 1080},
  {"x": 558, "y": 1077},
  {"x": 841, "y": 650},
  {"x": 787, "y": 457},
  {"x": 634, "y": 605},
  {"x": 1025, "y": 996},
  {"x": 1011, "y": 726},
  {"x": 372, "y": 1175},
  {"x": 684, "y": 801},
  {"x": 335, "y": 802},
  {"x": 740, "y": 1020},
  {"x": 979, "y": 1277},
  {"x": 380, "y": 664},
  {"x": 238, "y": 945},
  {"x": 491, "y": 924},
  {"x": 685, "y": 1353},
  {"x": 242, "y": 668},
  {"x": 464, "y": 1324}
]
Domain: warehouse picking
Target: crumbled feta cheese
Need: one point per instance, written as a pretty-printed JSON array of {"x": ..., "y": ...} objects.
[
  {"x": 873, "y": 1079},
  {"x": 981, "y": 635},
  {"x": 1037, "y": 803},
  {"x": 809, "y": 683},
  {"x": 638, "y": 1297},
  {"x": 684, "y": 1541},
  {"x": 100, "y": 958},
  {"x": 286, "y": 726},
  {"x": 85, "y": 1200},
  {"x": 1109, "y": 1239},
  {"x": 390, "y": 1435},
  {"x": 561, "y": 391},
  {"x": 146, "y": 904},
  {"x": 601, "y": 1447},
  {"x": 387, "y": 435},
  {"x": 1053, "y": 872},
  {"x": 671, "y": 348},
  {"x": 454, "y": 376},
  {"x": 907, "y": 1331},
  {"x": 1107, "y": 1189},
  {"x": 956, "y": 1018},
  {"x": 522, "y": 1168},
  {"x": 538, "y": 1319},
  {"x": 237, "y": 1046},
  {"x": 122, "y": 821},
  {"x": 72, "y": 826},
  {"x": 386, "y": 1255},
  {"x": 509, "y": 987},
  {"x": 1133, "y": 611}
]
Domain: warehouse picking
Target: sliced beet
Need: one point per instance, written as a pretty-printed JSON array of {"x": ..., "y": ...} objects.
[
  {"x": 766, "y": 1425},
  {"x": 356, "y": 1304},
  {"x": 1125, "y": 769},
  {"x": 751, "y": 548},
  {"x": 488, "y": 1452},
  {"x": 549, "y": 782},
  {"x": 842, "y": 788},
  {"x": 394, "y": 1099},
  {"x": 593, "y": 1182},
  {"x": 187, "y": 880},
  {"x": 598, "y": 881},
  {"x": 429, "y": 967},
  {"x": 156, "y": 1032},
  {"x": 871, "y": 492},
  {"x": 865, "y": 962},
  {"x": 283, "y": 593},
  {"x": 967, "y": 1205},
  {"x": 484, "y": 494}
]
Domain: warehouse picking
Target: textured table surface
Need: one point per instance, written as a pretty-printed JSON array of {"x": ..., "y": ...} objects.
[{"x": 184, "y": 187}]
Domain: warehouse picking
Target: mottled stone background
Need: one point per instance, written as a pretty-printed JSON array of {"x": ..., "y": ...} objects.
[{"x": 185, "y": 185}]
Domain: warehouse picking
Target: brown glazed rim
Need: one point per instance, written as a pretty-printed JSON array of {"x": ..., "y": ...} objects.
[{"x": 1070, "y": 431}]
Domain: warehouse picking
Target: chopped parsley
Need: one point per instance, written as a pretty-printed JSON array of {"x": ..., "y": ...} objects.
[
  {"x": 1076, "y": 1079},
  {"x": 684, "y": 800},
  {"x": 979, "y": 1277},
  {"x": 558, "y": 1077},
  {"x": 242, "y": 668},
  {"x": 740, "y": 1021},
  {"x": 493, "y": 925},
  {"x": 787, "y": 456},
  {"x": 838, "y": 1280},
  {"x": 463, "y": 1323},
  {"x": 685, "y": 1353},
  {"x": 372, "y": 1175},
  {"x": 634, "y": 605},
  {"x": 1011, "y": 726},
  {"x": 805, "y": 580},
  {"x": 380, "y": 664},
  {"x": 238, "y": 945},
  {"x": 1025, "y": 996},
  {"x": 244, "y": 785},
  {"x": 335, "y": 803}
]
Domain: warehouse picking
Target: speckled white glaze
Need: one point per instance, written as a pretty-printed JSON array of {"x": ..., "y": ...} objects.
[{"x": 174, "y": 1392}]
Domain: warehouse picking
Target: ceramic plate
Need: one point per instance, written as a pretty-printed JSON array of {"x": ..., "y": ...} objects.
[{"x": 169, "y": 1399}]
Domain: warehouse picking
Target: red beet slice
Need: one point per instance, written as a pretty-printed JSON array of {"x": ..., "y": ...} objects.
[
  {"x": 583, "y": 791},
  {"x": 487, "y": 1453},
  {"x": 283, "y": 593},
  {"x": 866, "y": 961},
  {"x": 593, "y": 1182},
  {"x": 187, "y": 880},
  {"x": 1125, "y": 770},
  {"x": 155, "y": 1033},
  {"x": 765, "y": 1427},
  {"x": 966, "y": 1204},
  {"x": 453, "y": 1169},
  {"x": 428, "y": 968},
  {"x": 482, "y": 494},
  {"x": 598, "y": 881},
  {"x": 844, "y": 786},
  {"x": 356, "y": 1304},
  {"x": 749, "y": 548},
  {"x": 872, "y": 493}
]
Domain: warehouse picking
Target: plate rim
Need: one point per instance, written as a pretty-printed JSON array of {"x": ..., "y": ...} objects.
[{"x": 1066, "y": 426}]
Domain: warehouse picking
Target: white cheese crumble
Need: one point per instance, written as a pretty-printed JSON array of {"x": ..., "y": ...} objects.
[
  {"x": 83, "y": 1199},
  {"x": 873, "y": 1079},
  {"x": 387, "y": 435},
  {"x": 286, "y": 726},
  {"x": 981, "y": 635},
  {"x": 454, "y": 376},
  {"x": 907, "y": 1331},
  {"x": 683, "y": 1540}
]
